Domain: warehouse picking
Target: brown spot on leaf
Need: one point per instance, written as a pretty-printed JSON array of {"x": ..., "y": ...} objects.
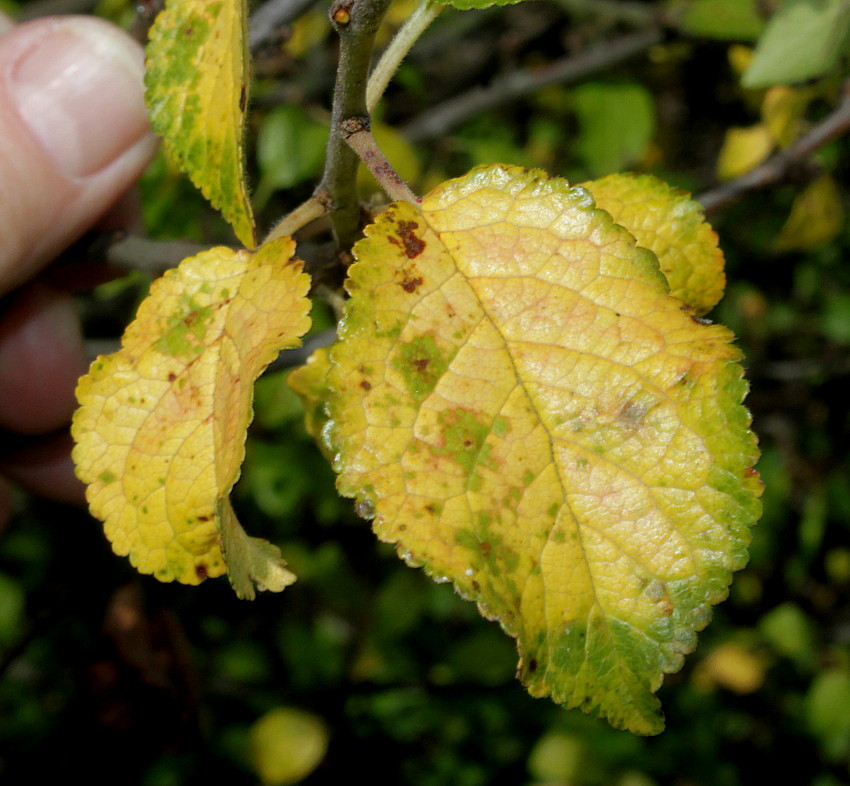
[
  {"x": 421, "y": 364},
  {"x": 201, "y": 571},
  {"x": 476, "y": 586},
  {"x": 413, "y": 245},
  {"x": 365, "y": 384},
  {"x": 411, "y": 284},
  {"x": 171, "y": 376},
  {"x": 486, "y": 548},
  {"x": 532, "y": 665},
  {"x": 243, "y": 99}
]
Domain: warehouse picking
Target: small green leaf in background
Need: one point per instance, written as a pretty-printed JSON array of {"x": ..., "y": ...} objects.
[
  {"x": 287, "y": 745},
  {"x": 826, "y": 712},
  {"x": 290, "y": 149},
  {"x": 727, "y": 20},
  {"x": 803, "y": 40},
  {"x": 197, "y": 93},
  {"x": 617, "y": 123}
]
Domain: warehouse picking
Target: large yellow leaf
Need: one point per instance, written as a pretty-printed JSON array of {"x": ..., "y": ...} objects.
[
  {"x": 526, "y": 412},
  {"x": 671, "y": 225},
  {"x": 197, "y": 92},
  {"x": 161, "y": 426}
]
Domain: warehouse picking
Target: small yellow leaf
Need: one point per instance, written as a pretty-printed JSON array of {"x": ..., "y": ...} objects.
[
  {"x": 732, "y": 666},
  {"x": 197, "y": 92},
  {"x": 672, "y": 226},
  {"x": 817, "y": 216},
  {"x": 783, "y": 110},
  {"x": 161, "y": 427},
  {"x": 287, "y": 745},
  {"x": 743, "y": 149},
  {"x": 524, "y": 410}
]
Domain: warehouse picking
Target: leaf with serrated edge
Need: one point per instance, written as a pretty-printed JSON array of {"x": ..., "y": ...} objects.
[
  {"x": 161, "y": 427},
  {"x": 671, "y": 225},
  {"x": 527, "y": 413},
  {"x": 197, "y": 91}
]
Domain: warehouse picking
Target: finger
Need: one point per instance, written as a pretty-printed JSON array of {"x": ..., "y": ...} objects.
[
  {"x": 41, "y": 357},
  {"x": 73, "y": 134}
]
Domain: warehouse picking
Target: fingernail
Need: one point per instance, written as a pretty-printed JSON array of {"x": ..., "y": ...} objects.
[{"x": 79, "y": 87}]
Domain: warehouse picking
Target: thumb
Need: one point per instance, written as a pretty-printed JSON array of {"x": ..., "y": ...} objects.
[{"x": 73, "y": 134}]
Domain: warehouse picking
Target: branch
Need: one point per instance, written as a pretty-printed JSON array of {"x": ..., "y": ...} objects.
[
  {"x": 437, "y": 121},
  {"x": 776, "y": 168},
  {"x": 356, "y": 21},
  {"x": 356, "y": 131}
]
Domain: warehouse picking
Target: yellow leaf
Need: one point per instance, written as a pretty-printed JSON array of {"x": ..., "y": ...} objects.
[
  {"x": 287, "y": 745},
  {"x": 732, "y": 666},
  {"x": 783, "y": 110},
  {"x": 526, "y": 412},
  {"x": 197, "y": 92},
  {"x": 817, "y": 216},
  {"x": 161, "y": 427},
  {"x": 672, "y": 226},
  {"x": 743, "y": 149}
]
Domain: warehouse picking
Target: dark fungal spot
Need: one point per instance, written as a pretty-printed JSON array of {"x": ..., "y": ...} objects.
[
  {"x": 413, "y": 245},
  {"x": 411, "y": 284},
  {"x": 204, "y": 518},
  {"x": 486, "y": 548},
  {"x": 171, "y": 376},
  {"x": 201, "y": 571},
  {"x": 365, "y": 384},
  {"x": 243, "y": 99},
  {"x": 421, "y": 363},
  {"x": 532, "y": 665}
]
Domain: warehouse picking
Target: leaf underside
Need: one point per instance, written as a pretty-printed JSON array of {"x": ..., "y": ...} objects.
[
  {"x": 161, "y": 427},
  {"x": 197, "y": 91},
  {"x": 526, "y": 412}
]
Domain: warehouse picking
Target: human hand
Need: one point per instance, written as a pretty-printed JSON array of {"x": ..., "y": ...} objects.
[{"x": 74, "y": 137}]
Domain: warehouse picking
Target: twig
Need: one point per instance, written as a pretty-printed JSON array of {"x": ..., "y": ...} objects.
[
  {"x": 776, "y": 168},
  {"x": 356, "y": 21},
  {"x": 438, "y": 120},
  {"x": 356, "y": 131},
  {"x": 392, "y": 57},
  {"x": 315, "y": 207}
]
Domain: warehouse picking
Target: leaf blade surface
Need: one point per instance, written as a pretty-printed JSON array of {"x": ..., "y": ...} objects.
[
  {"x": 671, "y": 225},
  {"x": 197, "y": 91},
  {"x": 161, "y": 427},
  {"x": 527, "y": 413}
]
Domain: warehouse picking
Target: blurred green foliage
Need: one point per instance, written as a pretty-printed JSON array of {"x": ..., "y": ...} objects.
[{"x": 114, "y": 678}]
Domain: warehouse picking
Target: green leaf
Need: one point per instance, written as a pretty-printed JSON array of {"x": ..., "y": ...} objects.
[
  {"x": 290, "y": 149},
  {"x": 197, "y": 92},
  {"x": 616, "y": 121},
  {"x": 803, "y": 40},
  {"x": 526, "y": 412},
  {"x": 727, "y": 20}
]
